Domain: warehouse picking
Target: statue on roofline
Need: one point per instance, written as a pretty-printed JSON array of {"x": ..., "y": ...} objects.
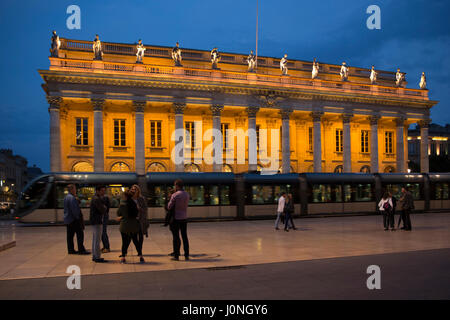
[
  {"x": 344, "y": 72},
  {"x": 423, "y": 82},
  {"x": 283, "y": 65},
  {"x": 97, "y": 48},
  {"x": 399, "y": 78},
  {"x": 251, "y": 60},
  {"x": 56, "y": 44},
  {"x": 176, "y": 55},
  {"x": 215, "y": 58},
  {"x": 140, "y": 50},
  {"x": 373, "y": 75},
  {"x": 315, "y": 69}
]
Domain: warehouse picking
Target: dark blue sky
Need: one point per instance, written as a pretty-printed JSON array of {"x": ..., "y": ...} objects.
[{"x": 414, "y": 36}]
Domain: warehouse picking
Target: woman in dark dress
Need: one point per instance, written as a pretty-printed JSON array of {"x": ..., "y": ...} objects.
[{"x": 288, "y": 212}]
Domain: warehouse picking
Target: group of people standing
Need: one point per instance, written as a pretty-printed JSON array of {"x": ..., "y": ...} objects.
[
  {"x": 388, "y": 207},
  {"x": 132, "y": 216},
  {"x": 285, "y": 211}
]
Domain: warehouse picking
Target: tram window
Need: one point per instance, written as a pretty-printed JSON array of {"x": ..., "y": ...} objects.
[
  {"x": 262, "y": 194},
  {"x": 196, "y": 195},
  {"x": 225, "y": 195},
  {"x": 33, "y": 194},
  {"x": 363, "y": 192},
  {"x": 213, "y": 195},
  {"x": 321, "y": 193},
  {"x": 159, "y": 196},
  {"x": 337, "y": 193},
  {"x": 85, "y": 195},
  {"x": 396, "y": 190},
  {"x": 114, "y": 194},
  {"x": 349, "y": 193},
  {"x": 280, "y": 189},
  {"x": 440, "y": 191}
]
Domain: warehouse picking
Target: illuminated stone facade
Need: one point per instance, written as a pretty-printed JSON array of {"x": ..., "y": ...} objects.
[{"x": 115, "y": 114}]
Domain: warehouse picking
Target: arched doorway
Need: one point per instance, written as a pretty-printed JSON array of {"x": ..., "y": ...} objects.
[
  {"x": 156, "y": 167},
  {"x": 82, "y": 166},
  {"x": 365, "y": 169},
  {"x": 389, "y": 169},
  {"x": 191, "y": 167},
  {"x": 339, "y": 169},
  {"x": 120, "y": 167}
]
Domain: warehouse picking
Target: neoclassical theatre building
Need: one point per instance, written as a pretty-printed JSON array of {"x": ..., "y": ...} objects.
[{"x": 114, "y": 107}]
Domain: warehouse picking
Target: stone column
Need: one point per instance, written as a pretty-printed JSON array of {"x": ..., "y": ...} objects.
[
  {"x": 179, "y": 108},
  {"x": 252, "y": 141},
  {"x": 55, "y": 133},
  {"x": 99, "y": 156},
  {"x": 317, "y": 147},
  {"x": 139, "y": 107},
  {"x": 424, "y": 144},
  {"x": 400, "y": 153},
  {"x": 286, "y": 142},
  {"x": 374, "y": 143},
  {"x": 216, "y": 110},
  {"x": 347, "y": 154}
]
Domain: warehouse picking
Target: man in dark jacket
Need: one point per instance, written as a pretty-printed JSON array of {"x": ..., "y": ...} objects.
[
  {"x": 407, "y": 206},
  {"x": 98, "y": 210},
  {"x": 105, "y": 239},
  {"x": 73, "y": 219}
]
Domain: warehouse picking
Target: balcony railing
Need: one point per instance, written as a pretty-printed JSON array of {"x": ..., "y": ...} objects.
[{"x": 232, "y": 76}]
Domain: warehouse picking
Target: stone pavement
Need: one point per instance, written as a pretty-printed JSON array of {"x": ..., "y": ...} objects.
[{"x": 41, "y": 251}]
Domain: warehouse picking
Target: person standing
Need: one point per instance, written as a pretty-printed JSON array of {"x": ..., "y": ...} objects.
[
  {"x": 385, "y": 207},
  {"x": 129, "y": 228},
  {"x": 407, "y": 205},
  {"x": 394, "y": 209},
  {"x": 73, "y": 219},
  {"x": 179, "y": 201},
  {"x": 142, "y": 213},
  {"x": 98, "y": 210},
  {"x": 168, "y": 220},
  {"x": 105, "y": 239},
  {"x": 289, "y": 211},
  {"x": 280, "y": 209}
]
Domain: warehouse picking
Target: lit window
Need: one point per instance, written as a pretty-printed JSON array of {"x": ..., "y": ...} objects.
[
  {"x": 224, "y": 130},
  {"x": 310, "y": 138},
  {"x": 339, "y": 140},
  {"x": 189, "y": 141},
  {"x": 364, "y": 141},
  {"x": 389, "y": 142},
  {"x": 120, "y": 167},
  {"x": 119, "y": 133},
  {"x": 81, "y": 131},
  {"x": 155, "y": 133}
]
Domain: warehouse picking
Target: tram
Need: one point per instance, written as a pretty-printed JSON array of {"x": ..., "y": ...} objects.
[{"x": 228, "y": 196}]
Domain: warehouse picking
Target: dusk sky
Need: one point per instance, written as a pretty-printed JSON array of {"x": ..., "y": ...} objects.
[{"x": 414, "y": 36}]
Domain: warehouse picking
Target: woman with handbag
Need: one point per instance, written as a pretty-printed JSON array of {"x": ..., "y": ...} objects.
[{"x": 385, "y": 206}]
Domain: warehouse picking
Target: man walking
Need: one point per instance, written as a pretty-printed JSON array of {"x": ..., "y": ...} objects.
[
  {"x": 280, "y": 209},
  {"x": 98, "y": 210},
  {"x": 73, "y": 219},
  {"x": 407, "y": 205},
  {"x": 179, "y": 201}
]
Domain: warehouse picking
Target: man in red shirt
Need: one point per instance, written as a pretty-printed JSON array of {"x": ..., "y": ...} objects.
[{"x": 179, "y": 201}]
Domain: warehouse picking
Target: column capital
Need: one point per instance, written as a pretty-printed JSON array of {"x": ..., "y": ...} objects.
[
  {"x": 400, "y": 121},
  {"x": 139, "y": 105},
  {"x": 374, "y": 119},
  {"x": 285, "y": 113},
  {"x": 54, "y": 102},
  {"x": 216, "y": 109},
  {"x": 316, "y": 115},
  {"x": 347, "y": 117},
  {"x": 251, "y": 111},
  {"x": 179, "y": 107},
  {"x": 98, "y": 103},
  {"x": 425, "y": 123}
]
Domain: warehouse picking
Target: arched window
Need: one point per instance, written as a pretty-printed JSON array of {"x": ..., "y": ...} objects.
[
  {"x": 120, "y": 167},
  {"x": 156, "y": 167},
  {"x": 389, "y": 169},
  {"x": 365, "y": 169},
  {"x": 82, "y": 166},
  {"x": 227, "y": 168},
  {"x": 339, "y": 169},
  {"x": 192, "y": 167}
]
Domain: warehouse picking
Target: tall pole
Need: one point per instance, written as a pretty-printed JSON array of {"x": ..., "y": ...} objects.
[{"x": 256, "y": 62}]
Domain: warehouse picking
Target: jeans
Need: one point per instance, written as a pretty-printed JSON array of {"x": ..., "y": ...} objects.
[
  {"x": 388, "y": 219},
  {"x": 96, "y": 238},
  {"x": 126, "y": 240},
  {"x": 277, "y": 222},
  {"x": 75, "y": 227},
  {"x": 105, "y": 239},
  {"x": 176, "y": 227},
  {"x": 288, "y": 220}
]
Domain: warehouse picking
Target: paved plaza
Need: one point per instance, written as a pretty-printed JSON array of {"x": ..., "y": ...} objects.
[{"x": 241, "y": 259}]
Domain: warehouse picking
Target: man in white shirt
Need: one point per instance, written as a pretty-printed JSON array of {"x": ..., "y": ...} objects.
[{"x": 280, "y": 209}]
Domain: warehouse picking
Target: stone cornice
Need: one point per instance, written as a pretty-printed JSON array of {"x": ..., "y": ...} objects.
[{"x": 267, "y": 93}]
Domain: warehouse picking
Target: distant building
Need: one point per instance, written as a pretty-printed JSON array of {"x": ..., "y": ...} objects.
[
  {"x": 438, "y": 144},
  {"x": 33, "y": 172},
  {"x": 13, "y": 175}
]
